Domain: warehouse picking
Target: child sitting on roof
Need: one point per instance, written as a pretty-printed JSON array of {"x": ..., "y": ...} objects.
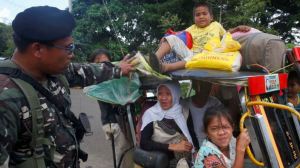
[{"x": 202, "y": 31}]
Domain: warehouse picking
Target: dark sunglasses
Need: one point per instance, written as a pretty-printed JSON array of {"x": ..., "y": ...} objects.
[{"x": 69, "y": 48}]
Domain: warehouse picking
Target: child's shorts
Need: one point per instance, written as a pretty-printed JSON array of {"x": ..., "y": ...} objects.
[
  {"x": 178, "y": 46},
  {"x": 171, "y": 58}
]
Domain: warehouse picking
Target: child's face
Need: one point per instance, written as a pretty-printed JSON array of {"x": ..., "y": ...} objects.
[
  {"x": 202, "y": 17},
  {"x": 293, "y": 87},
  {"x": 219, "y": 131}
]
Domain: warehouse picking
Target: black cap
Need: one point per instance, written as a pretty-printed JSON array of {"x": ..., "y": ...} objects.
[{"x": 43, "y": 23}]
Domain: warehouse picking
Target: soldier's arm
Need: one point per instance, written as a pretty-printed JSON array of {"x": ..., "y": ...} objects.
[
  {"x": 82, "y": 74},
  {"x": 9, "y": 121},
  {"x": 88, "y": 74}
]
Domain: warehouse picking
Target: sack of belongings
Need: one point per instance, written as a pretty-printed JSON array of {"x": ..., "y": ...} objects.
[
  {"x": 219, "y": 55},
  {"x": 263, "y": 49}
]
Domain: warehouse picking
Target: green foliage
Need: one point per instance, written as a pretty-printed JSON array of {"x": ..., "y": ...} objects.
[
  {"x": 169, "y": 20},
  {"x": 185, "y": 88},
  {"x": 6, "y": 41},
  {"x": 123, "y": 26},
  {"x": 272, "y": 16},
  {"x": 290, "y": 45}
]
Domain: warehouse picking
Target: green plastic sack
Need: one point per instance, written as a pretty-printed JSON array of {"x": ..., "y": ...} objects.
[{"x": 116, "y": 91}]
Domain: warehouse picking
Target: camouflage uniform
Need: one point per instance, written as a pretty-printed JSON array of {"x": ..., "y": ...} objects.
[{"x": 16, "y": 123}]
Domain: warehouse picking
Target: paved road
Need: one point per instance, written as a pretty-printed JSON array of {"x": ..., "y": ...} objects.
[{"x": 99, "y": 149}]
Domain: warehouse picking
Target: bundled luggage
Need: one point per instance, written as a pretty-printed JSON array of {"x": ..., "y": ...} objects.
[{"x": 261, "y": 48}]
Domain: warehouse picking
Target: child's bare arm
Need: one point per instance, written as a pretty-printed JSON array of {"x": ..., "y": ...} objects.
[
  {"x": 241, "y": 28},
  {"x": 173, "y": 66}
]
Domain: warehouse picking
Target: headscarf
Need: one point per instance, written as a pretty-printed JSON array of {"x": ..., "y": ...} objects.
[{"x": 156, "y": 113}]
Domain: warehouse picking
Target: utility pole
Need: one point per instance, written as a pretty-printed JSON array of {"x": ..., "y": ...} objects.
[
  {"x": 221, "y": 11},
  {"x": 70, "y": 6}
]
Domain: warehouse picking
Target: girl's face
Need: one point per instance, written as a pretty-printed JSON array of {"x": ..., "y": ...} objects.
[
  {"x": 219, "y": 131},
  {"x": 293, "y": 88},
  {"x": 164, "y": 97},
  {"x": 202, "y": 17}
]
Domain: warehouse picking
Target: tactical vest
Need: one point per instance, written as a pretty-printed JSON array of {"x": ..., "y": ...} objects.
[{"x": 38, "y": 139}]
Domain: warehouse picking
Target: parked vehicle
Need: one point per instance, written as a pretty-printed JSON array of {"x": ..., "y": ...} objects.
[{"x": 259, "y": 102}]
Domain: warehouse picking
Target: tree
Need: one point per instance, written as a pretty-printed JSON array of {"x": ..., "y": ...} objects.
[
  {"x": 105, "y": 25},
  {"x": 120, "y": 25},
  {"x": 123, "y": 26},
  {"x": 6, "y": 41},
  {"x": 287, "y": 19},
  {"x": 278, "y": 17}
]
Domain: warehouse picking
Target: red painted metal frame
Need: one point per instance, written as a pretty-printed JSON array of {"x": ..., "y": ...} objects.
[
  {"x": 296, "y": 52},
  {"x": 256, "y": 85}
]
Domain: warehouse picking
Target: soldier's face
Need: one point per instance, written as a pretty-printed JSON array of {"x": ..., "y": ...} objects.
[{"x": 58, "y": 56}]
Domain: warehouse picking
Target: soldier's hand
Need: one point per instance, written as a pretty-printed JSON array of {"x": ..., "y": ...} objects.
[{"x": 125, "y": 66}]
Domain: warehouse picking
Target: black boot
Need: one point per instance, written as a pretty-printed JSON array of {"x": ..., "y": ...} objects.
[{"x": 155, "y": 63}]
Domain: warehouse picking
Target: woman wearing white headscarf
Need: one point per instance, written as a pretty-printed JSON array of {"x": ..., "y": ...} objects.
[{"x": 164, "y": 126}]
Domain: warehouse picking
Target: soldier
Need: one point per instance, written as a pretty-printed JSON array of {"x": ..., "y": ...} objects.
[{"x": 47, "y": 135}]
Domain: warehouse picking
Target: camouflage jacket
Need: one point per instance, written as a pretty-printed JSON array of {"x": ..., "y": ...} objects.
[{"x": 15, "y": 116}]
